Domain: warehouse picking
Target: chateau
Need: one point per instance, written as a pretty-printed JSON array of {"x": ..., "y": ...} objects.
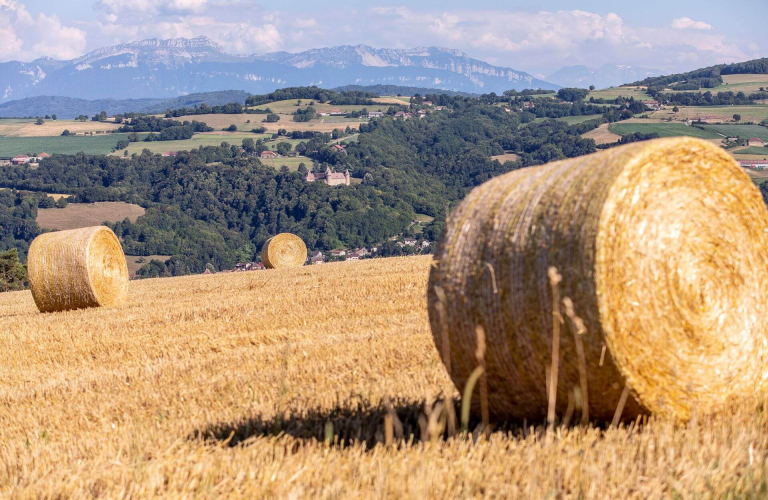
[{"x": 329, "y": 177}]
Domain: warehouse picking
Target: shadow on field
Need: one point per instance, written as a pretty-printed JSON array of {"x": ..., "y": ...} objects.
[{"x": 345, "y": 425}]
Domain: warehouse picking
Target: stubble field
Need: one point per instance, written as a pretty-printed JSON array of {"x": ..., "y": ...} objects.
[{"x": 277, "y": 383}]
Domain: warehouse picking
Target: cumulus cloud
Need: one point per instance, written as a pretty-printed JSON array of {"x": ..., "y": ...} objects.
[
  {"x": 684, "y": 23},
  {"x": 26, "y": 37}
]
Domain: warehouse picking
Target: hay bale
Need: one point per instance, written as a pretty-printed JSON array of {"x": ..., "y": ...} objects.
[
  {"x": 662, "y": 247},
  {"x": 283, "y": 251},
  {"x": 77, "y": 268}
]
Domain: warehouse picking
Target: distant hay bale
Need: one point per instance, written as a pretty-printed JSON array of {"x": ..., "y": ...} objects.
[
  {"x": 283, "y": 251},
  {"x": 662, "y": 247},
  {"x": 77, "y": 268}
]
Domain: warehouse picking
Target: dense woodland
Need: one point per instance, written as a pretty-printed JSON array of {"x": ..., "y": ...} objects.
[{"x": 215, "y": 206}]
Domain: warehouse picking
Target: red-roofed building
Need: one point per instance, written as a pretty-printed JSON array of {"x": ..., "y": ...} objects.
[
  {"x": 170, "y": 153},
  {"x": 330, "y": 178},
  {"x": 268, "y": 154},
  {"x": 20, "y": 159},
  {"x": 754, "y": 141}
]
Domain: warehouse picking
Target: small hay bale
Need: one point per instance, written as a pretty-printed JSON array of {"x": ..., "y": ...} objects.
[
  {"x": 76, "y": 269},
  {"x": 663, "y": 249},
  {"x": 283, "y": 251}
]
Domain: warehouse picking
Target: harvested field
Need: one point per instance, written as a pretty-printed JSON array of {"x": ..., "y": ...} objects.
[
  {"x": 602, "y": 135},
  {"x": 277, "y": 392},
  {"x": 51, "y": 128},
  {"x": 505, "y": 157},
  {"x": 76, "y": 215}
]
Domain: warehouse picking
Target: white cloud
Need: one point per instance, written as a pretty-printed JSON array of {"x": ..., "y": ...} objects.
[
  {"x": 25, "y": 37},
  {"x": 684, "y": 23}
]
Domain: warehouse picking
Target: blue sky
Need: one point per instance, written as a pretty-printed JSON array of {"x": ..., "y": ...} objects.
[{"x": 538, "y": 37}]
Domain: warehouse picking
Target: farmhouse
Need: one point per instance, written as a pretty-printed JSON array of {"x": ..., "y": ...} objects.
[
  {"x": 329, "y": 177},
  {"x": 403, "y": 115},
  {"x": 323, "y": 113},
  {"x": 170, "y": 153},
  {"x": 269, "y": 154},
  {"x": 754, "y": 164},
  {"x": 336, "y": 112},
  {"x": 338, "y": 253},
  {"x": 339, "y": 147},
  {"x": 375, "y": 114},
  {"x": 654, "y": 105},
  {"x": 20, "y": 159},
  {"x": 754, "y": 141},
  {"x": 317, "y": 257}
]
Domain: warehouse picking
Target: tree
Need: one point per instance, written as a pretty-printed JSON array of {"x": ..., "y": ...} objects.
[
  {"x": 65, "y": 133},
  {"x": 736, "y": 118},
  {"x": 272, "y": 118},
  {"x": 53, "y": 117},
  {"x": 231, "y": 128},
  {"x": 47, "y": 117},
  {"x": 591, "y": 87},
  {"x": 675, "y": 109},
  {"x": 13, "y": 275},
  {"x": 39, "y": 121},
  {"x": 283, "y": 148},
  {"x": 248, "y": 145}
]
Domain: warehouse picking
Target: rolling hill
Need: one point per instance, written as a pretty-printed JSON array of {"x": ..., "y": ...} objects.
[{"x": 174, "y": 67}]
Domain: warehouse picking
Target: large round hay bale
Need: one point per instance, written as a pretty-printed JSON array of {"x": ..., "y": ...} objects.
[
  {"x": 283, "y": 251},
  {"x": 662, "y": 247},
  {"x": 77, "y": 268}
]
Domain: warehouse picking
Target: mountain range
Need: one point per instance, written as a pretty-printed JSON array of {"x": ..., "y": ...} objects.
[
  {"x": 609, "y": 75},
  {"x": 175, "y": 67}
]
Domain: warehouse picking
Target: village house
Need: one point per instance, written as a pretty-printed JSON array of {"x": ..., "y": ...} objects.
[
  {"x": 338, "y": 253},
  {"x": 358, "y": 254},
  {"x": 339, "y": 147},
  {"x": 427, "y": 103},
  {"x": 438, "y": 108},
  {"x": 323, "y": 113},
  {"x": 754, "y": 141},
  {"x": 654, "y": 105},
  {"x": 329, "y": 177},
  {"x": 20, "y": 159},
  {"x": 317, "y": 257},
  {"x": 170, "y": 153},
  {"x": 375, "y": 114},
  {"x": 403, "y": 115},
  {"x": 336, "y": 112},
  {"x": 269, "y": 154}
]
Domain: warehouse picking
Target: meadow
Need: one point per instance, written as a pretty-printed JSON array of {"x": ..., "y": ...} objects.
[
  {"x": 247, "y": 122},
  {"x": 754, "y": 114},
  {"x": 197, "y": 140},
  {"x": 741, "y": 131},
  {"x": 291, "y": 163},
  {"x": 735, "y": 83},
  {"x": 76, "y": 215},
  {"x": 51, "y": 128},
  {"x": 754, "y": 150},
  {"x": 316, "y": 382},
  {"x": 96, "y": 145},
  {"x": 614, "y": 92},
  {"x": 663, "y": 129}
]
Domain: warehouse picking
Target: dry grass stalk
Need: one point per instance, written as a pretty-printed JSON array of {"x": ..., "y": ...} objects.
[
  {"x": 557, "y": 319},
  {"x": 284, "y": 251},
  {"x": 77, "y": 268},
  {"x": 578, "y": 330},
  {"x": 672, "y": 302}
]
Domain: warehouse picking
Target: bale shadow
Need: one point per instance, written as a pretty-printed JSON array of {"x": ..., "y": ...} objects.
[{"x": 345, "y": 425}]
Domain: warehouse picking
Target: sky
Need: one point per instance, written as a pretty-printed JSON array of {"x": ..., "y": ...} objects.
[{"x": 536, "y": 37}]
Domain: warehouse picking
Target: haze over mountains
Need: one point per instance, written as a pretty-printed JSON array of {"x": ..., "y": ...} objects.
[
  {"x": 609, "y": 75},
  {"x": 170, "y": 68}
]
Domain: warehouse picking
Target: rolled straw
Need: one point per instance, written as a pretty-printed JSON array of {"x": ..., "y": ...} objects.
[
  {"x": 76, "y": 269},
  {"x": 663, "y": 249},
  {"x": 283, "y": 251}
]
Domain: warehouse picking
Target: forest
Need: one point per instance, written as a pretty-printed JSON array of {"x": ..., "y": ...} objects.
[{"x": 215, "y": 206}]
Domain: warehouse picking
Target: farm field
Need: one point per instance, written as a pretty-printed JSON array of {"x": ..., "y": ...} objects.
[
  {"x": 601, "y": 135},
  {"x": 280, "y": 391},
  {"x": 754, "y": 150},
  {"x": 197, "y": 140},
  {"x": 734, "y": 83},
  {"x": 221, "y": 121},
  {"x": 76, "y": 215},
  {"x": 754, "y": 114},
  {"x": 741, "y": 131},
  {"x": 134, "y": 265},
  {"x": 27, "y": 128},
  {"x": 291, "y": 163},
  {"x": 614, "y": 92},
  {"x": 663, "y": 129},
  {"x": 288, "y": 107},
  {"x": 97, "y": 145},
  {"x": 505, "y": 157}
]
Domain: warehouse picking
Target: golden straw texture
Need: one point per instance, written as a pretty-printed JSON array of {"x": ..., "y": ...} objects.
[
  {"x": 284, "y": 250},
  {"x": 663, "y": 249},
  {"x": 77, "y": 268}
]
